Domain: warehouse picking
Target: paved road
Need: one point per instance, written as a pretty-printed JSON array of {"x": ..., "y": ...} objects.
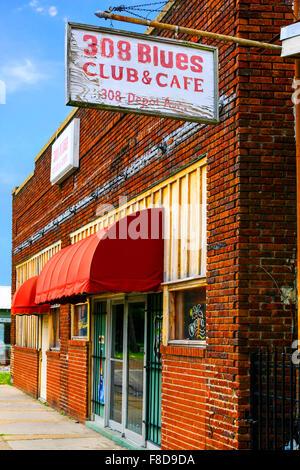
[{"x": 27, "y": 424}]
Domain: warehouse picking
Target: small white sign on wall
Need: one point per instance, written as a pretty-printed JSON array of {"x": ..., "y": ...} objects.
[
  {"x": 65, "y": 153},
  {"x": 290, "y": 37}
]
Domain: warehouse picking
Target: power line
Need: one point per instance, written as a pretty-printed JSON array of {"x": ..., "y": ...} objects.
[
  {"x": 143, "y": 7},
  {"x": 131, "y": 9}
]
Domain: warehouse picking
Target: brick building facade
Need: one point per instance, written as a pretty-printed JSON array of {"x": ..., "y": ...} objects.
[{"x": 242, "y": 172}]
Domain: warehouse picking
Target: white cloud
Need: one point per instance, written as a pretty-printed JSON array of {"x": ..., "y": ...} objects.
[
  {"x": 52, "y": 11},
  {"x": 49, "y": 10},
  {"x": 18, "y": 75}
]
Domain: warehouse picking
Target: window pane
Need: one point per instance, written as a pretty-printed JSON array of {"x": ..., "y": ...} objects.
[
  {"x": 116, "y": 394},
  {"x": 55, "y": 341},
  {"x": 190, "y": 309},
  {"x": 116, "y": 391},
  {"x": 117, "y": 331},
  {"x": 81, "y": 320},
  {"x": 26, "y": 331},
  {"x": 136, "y": 328}
]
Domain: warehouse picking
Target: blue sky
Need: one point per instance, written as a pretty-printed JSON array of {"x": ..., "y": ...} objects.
[{"x": 32, "y": 47}]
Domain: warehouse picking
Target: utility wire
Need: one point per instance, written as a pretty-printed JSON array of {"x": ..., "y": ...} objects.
[
  {"x": 133, "y": 9},
  {"x": 120, "y": 8}
]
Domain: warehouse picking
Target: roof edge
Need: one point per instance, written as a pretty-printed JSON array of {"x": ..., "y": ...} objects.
[
  {"x": 161, "y": 15},
  {"x": 17, "y": 189}
]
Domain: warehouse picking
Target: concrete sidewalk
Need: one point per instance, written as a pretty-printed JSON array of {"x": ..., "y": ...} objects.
[{"x": 27, "y": 424}]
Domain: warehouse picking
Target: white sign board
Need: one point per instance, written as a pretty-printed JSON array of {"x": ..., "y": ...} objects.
[
  {"x": 290, "y": 37},
  {"x": 135, "y": 73},
  {"x": 65, "y": 153}
]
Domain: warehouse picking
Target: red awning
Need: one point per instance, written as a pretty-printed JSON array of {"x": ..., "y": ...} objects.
[
  {"x": 24, "y": 299},
  {"x": 126, "y": 257}
]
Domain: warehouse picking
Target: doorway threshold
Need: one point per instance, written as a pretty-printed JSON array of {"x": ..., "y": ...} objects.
[{"x": 113, "y": 435}]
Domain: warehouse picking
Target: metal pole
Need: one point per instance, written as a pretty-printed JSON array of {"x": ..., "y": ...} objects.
[
  {"x": 190, "y": 31},
  {"x": 297, "y": 131}
]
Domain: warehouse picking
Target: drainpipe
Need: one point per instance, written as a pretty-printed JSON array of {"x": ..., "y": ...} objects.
[{"x": 297, "y": 132}]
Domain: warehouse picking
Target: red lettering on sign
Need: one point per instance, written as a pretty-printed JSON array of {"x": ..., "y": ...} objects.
[
  {"x": 144, "y": 53},
  {"x": 107, "y": 48},
  {"x": 187, "y": 81},
  {"x": 124, "y": 48},
  {"x": 158, "y": 79},
  {"x": 131, "y": 98},
  {"x": 132, "y": 75},
  {"x": 61, "y": 149},
  {"x": 167, "y": 64},
  {"x": 197, "y": 61},
  {"x": 102, "y": 72},
  {"x": 181, "y": 61},
  {"x": 175, "y": 81},
  {"x": 92, "y": 51},
  {"x": 168, "y": 59},
  {"x": 85, "y": 68},
  {"x": 198, "y": 84},
  {"x": 113, "y": 72}
]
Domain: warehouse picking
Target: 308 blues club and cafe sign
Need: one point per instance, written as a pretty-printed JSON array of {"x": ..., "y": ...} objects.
[{"x": 128, "y": 72}]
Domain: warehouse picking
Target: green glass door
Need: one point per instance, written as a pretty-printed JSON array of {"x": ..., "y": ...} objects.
[
  {"x": 116, "y": 363},
  {"x": 127, "y": 366},
  {"x": 99, "y": 359},
  {"x": 154, "y": 338},
  {"x": 135, "y": 365}
]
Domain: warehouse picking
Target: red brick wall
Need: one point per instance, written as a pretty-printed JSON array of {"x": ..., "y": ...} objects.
[
  {"x": 65, "y": 334},
  {"x": 267, "y": 222},
  {"x": 53, "y": 378},
  {"x": 26, "y": 370},
  {"x": 78, "y": 379},
  {"x": 251, "y": 209},
  {"x": 184, "y": 398}
]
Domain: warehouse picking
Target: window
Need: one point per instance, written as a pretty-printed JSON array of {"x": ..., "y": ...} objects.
[
  {"x": 187, "y": 311},
  {"x": 80, "y": 321},
  {"x": 27, "y": 331},
  {"x": 4, "y": 342},
  {"x": 54, "y": 328}
]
